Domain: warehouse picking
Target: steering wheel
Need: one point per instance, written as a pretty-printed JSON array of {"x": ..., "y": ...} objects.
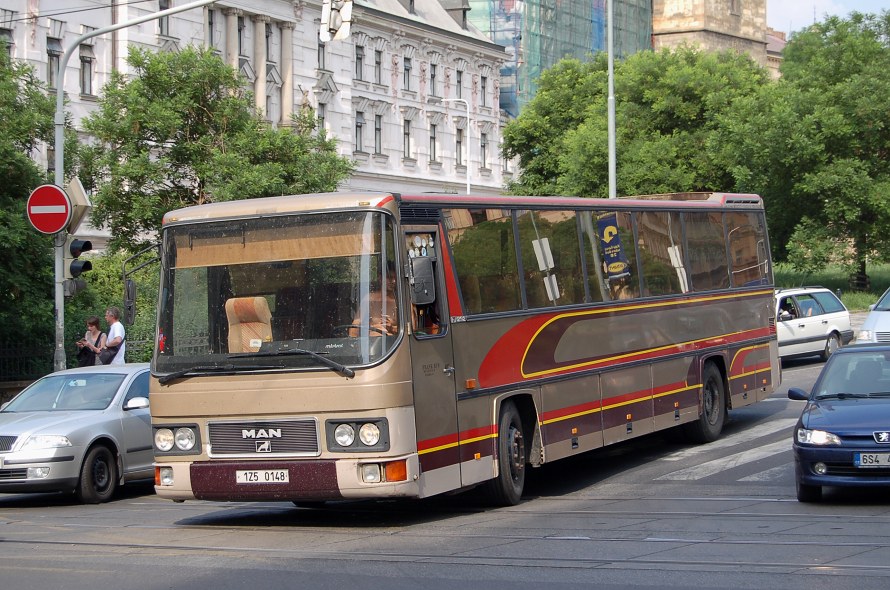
[{"x": 347, "y": 327}]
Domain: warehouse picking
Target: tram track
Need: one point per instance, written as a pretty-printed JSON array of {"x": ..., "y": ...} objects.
[{"x": 262, "y": 557}]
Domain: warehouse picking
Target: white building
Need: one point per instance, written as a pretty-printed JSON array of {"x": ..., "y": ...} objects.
[{"x": 396, "y": 93}]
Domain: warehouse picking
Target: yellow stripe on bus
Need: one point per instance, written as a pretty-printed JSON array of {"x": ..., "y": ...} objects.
[
  {"x": 623, "y": 308},
  {"x": 619, "y": 404}
]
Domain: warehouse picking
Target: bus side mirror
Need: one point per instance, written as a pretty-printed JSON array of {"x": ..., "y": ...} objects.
[
  {"x": 129, "y": 302},
  {"x": 420, "y": 277}
]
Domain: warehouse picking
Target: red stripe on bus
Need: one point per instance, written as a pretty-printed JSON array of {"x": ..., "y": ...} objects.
[
  {"x": 455, "y": 308},
  {"x": 452, "y": 439},
  {"x": 385, "y": 200}
]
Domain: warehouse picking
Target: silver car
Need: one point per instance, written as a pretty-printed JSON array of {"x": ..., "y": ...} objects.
[
  {"x": 84, "y": 430},
  {"x": 876, "y": 327}
]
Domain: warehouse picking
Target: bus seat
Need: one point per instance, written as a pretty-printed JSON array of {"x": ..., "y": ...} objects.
[{"x": 250, "y": 322}]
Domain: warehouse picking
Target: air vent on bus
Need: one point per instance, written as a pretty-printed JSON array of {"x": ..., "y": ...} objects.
[{"x": 420, "y": 215}]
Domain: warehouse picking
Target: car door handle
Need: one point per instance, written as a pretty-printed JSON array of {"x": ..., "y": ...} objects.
[{"x": 448, "y": 370}]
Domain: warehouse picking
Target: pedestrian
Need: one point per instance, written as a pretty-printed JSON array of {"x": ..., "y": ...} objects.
[
  {"x": 91, "y": 343},
  {"x": 115, "y": 348}
]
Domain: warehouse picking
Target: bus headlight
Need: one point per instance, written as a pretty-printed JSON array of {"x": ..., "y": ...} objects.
[
  {"x": 359, "y": 434},
  {"x": 369, "y": 434},
  {"x": 344, "y": 434},
  {"x": 178, "y": 439},
  {"x": 185, "y": 439},
  {"x": 163, "y": 439}
]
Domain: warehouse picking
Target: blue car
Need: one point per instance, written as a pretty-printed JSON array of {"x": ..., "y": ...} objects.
[{"x": 843, "y": 435}]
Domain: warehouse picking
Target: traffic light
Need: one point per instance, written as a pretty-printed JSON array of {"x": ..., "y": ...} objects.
[
  {"x": 73, "y": 249},
  {"x": 336, "y": 18}
]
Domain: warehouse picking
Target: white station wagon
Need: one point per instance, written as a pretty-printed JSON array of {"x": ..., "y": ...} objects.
[{"x": 811, "y": 321}]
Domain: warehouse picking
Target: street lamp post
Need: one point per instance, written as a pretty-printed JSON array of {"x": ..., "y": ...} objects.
[
  {"x": 469, "y": 139},
  {"x": 59, "y": 354}
]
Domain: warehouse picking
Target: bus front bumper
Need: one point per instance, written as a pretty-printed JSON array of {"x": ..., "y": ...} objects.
[{"x": 289, "y": 480}]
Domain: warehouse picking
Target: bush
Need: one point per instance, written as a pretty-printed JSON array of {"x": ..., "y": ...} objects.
[{"x": 836, "y": 279}]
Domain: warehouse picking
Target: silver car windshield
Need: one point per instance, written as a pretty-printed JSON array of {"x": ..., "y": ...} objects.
[{"x": 62, "y": 393}]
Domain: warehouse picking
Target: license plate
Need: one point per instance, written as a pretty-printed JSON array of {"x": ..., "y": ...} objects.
[
  {"x": 871, "y": 460},
  {"x": 262, "y": 476}
]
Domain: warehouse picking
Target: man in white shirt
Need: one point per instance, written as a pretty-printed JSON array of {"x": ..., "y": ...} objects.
[{"x": 116, "y": 334}]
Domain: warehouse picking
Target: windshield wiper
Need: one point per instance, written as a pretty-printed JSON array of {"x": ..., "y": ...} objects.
[
  {"x": 337, "y": 367},
  {"x": 199, "y": 369},
  {"x": 195, "y": 369},
  {"x": 842, "y": 395}
]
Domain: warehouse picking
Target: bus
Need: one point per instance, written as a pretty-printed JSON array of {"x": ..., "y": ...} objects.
[{"x": 314, "y": 348}]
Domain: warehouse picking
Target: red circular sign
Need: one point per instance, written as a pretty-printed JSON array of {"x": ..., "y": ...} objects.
[{"x": 49, "y": 209}]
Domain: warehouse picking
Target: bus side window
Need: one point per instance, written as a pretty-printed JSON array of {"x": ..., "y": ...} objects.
[{"x": 424, "y": 296}]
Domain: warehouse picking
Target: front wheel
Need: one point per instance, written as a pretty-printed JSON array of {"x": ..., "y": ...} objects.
[
  {"x": 713, "y": 411},
  {"x": 98, "y": 476},
  {"x": 808, "y": 493},
  {"x": 831, "y": 346},
  {"x": 506, "y": 488}
]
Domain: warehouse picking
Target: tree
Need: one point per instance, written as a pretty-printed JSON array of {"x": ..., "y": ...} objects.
[
  {"x": 26, "y": 256},
  {"x": 667, "y": 105},
  {"x": 182, "y": 131},
  {"x": 105, "y": 289},
  {"x": 560, "y": 105},
  {"x": 822, "y": 136}
]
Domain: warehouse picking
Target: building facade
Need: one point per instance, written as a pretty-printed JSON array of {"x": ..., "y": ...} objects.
[
  {"x": 712, "y": 25},
  {"x": 411, "y": 95}
]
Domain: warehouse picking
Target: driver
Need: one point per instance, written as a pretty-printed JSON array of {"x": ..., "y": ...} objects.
[{"x": 382, "y": 308}]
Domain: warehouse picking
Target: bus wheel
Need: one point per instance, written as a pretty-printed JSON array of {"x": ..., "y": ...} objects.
[
  {"x": 710, "y": 423},
  {"x": 506, "y": 488}
]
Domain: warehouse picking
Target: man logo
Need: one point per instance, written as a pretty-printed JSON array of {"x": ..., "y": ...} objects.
[
  {"x": 264, "y": 446},
  {"x": 261, "y": 433},
  {"x": 882, "y": 437}
]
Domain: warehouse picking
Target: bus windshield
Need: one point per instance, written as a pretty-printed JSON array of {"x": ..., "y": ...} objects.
[{"x": 310, "y": 291}]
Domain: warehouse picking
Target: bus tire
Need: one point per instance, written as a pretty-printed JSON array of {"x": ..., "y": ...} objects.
[
  {"x": 506, "y": 488},
  {"x": 713, "y": 414}
]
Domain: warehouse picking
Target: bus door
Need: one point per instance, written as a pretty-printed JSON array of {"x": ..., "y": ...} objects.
[{"x": 432, "y": 359}]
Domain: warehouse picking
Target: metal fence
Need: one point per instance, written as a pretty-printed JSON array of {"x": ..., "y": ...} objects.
[
  {"x": 25, "y": 363},
  {"x": 19, "y": 363}
]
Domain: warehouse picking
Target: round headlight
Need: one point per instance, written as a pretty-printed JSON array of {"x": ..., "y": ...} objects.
[
  {"x": 163, "y": 439},
  {"x": 185, "y": 439},
  {"x": 344, "y": 434},
  {"x": 369, "y": 434}
]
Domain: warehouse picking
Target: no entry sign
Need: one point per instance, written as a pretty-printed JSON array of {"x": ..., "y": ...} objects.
[{"x": 49, "y": 209}]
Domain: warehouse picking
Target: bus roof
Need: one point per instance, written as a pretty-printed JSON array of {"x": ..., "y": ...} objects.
[{"x": 340, "y": 201}]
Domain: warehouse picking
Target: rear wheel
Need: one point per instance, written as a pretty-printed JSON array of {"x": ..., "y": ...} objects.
[
  {"x": 831, "y": 345},
  {"x": 808, "y": 493},
  {"x": 713, "y": 412},
  {"x": 98, "y": 476},
  {"x": 506, "y": 488}
]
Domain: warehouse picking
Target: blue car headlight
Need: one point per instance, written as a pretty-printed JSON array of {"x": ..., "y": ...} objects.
[{"x": 817, "y": 437}]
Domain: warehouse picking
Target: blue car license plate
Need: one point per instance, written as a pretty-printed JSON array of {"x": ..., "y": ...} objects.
[{"x": 866, "y": 460}]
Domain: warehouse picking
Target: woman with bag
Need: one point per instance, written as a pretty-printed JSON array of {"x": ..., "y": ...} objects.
[
  {"x": 90, "y": 345},
  {"x": 113, "y": 351}
]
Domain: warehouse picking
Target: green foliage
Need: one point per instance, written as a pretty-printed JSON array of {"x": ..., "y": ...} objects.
[
  {"x": 668, "y": 107},
  {"x": 182, "y": 131},
  {"x": 105, "y": 289},
  {"x": 560, "y": 104},
  {"x": 835, "y": 277},
  {"x": 816, "y": 145},
  {"x": 26, "y": 256}
]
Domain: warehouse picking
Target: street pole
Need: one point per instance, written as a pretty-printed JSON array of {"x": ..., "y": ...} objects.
[
  {"x": 59, "y": 354},
  {"x": 469, "y": 133}
]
